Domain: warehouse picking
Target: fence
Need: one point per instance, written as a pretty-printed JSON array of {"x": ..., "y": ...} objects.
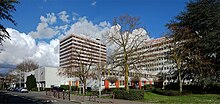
[
  {"x": 76, "y": 97},
  {"x": 59, "y": 94}
]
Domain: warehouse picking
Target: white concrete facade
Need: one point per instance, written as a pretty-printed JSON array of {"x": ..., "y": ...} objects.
[{"x": 48, "y": 76}]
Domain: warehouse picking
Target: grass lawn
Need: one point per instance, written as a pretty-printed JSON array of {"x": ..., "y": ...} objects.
[{"x": 189, "y": 99}]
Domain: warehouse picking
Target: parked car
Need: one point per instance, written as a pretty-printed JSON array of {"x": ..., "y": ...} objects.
[
  {"x": 10, "y": 89},
  {"x": 24, "y": 90}
]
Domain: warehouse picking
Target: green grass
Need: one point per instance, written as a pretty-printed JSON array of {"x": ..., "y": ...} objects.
[{"x": 189, "y": 99}]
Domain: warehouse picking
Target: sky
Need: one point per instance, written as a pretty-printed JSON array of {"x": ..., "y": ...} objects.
[{"x": 41, "y": 23}]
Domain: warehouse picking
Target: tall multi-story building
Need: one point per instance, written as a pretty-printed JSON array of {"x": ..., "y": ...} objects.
[
  {"x": 152, "y": 60},
  {"x": 76, "y": 50}
]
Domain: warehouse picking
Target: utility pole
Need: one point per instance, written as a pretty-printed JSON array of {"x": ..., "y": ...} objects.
[{"x": 20, "y": 80}]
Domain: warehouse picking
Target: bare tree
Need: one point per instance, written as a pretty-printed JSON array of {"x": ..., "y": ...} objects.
[
  {"x": 27, "y": 65},
  {"x": 127, "y": 35}
]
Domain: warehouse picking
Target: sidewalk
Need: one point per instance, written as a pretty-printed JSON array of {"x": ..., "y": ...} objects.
[
  {"x": 79, "y": 99},
  {"x": 96, "y": 100}
]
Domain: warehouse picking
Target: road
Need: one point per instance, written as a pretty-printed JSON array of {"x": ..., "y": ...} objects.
[{"x": 30, "y": 98}]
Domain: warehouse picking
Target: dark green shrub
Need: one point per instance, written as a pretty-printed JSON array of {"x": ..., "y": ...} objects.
[
  {"x": 65, "y": 87},
  {"x": 110, "y": 90},
  {"x": 193, "y": 88},
  {"x": 213, "y": 88},
  {"x": 34, "y": 89},
  {"x": 196, "y": 89},
  {"x": 170, "y": 92},
  {"x": 74, "y": 88},
  {"x": 133, "y": 94},
  {"x": 172, "y": 86},
  {"x": 119, "y": 94},
  {"x": 89, "y": 89},
  {"x": 149, "y": 87}
]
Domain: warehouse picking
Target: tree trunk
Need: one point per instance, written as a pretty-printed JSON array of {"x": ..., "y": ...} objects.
[
  {"x": 84, "y": 86},
  {"x": 126, "y": 71},
  {"x": 179, "y": 75}
]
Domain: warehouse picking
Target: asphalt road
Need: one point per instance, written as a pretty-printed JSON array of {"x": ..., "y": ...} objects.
[{"x": 7, "y": 97}]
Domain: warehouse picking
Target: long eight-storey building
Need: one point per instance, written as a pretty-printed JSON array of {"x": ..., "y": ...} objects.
[{"x": 76, "y": 50}]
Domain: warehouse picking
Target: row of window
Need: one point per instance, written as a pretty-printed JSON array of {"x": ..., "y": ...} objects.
[{"x": 160, "y": 69}]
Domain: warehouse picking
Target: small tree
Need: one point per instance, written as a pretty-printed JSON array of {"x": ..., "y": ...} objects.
[{"x": 31, "y": 82}]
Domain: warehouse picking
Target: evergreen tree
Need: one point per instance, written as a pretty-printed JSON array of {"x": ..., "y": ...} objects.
[
  {"x": 198, "y": 27},
  {"x": 31, "y": 82}
]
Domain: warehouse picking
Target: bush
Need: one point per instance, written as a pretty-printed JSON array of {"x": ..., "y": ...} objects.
[
  {"x": 119, "y": 94},
  {"x": 34, "y": 89},
  {"x": 172, "y": 86},
  {"x": 65, "y": 87},
  {"x": 74, "y": 88},
  {"x": 170, "y": 92},
  {"x": 89, "y": 89},
  {"x": 214, "y": 89},
  {"x": 133, "y": 94},
  {"x": 149, "y": 87},
  {"x": 110, "y": 90},
  {"x": 190, "y": 88}
]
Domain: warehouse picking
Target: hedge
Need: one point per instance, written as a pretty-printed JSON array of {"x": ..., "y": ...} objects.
[
  {"x": 196, "y": 89},
  {"x": 149, "y": 87},
  {"x": 133, "y": 94},
  {"x": 66, "y": 87},
  {"x": 170, "y": 92}
]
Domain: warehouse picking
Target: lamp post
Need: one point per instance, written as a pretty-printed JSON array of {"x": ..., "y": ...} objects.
[
  {"x": 100, "y": 79},
  {"x": 20, "y": 80},
  {"x": 38, "y": 77}
]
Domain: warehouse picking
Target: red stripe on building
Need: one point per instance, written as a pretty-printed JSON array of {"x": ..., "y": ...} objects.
[
  {"x": 140, "y": 84},
  {"x": 106, "y": 83},
  {"x": 117, "y": 84}
]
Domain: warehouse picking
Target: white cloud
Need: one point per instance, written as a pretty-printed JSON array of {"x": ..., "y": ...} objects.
[
  {"x": 51, "y": 18},
  {"x": 23, "y": 46},
  {"x": 75, "y": 15},
  {"x": 63, "y": 16},
  {"x": 44, "y": 31},
  {"x": 93, "y": 3},
  {"x": 86, "y": 27}
]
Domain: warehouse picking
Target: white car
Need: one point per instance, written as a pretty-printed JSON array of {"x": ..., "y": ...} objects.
[{"x": 24, "y": 90}]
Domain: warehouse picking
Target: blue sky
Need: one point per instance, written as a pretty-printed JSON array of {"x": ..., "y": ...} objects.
[
  {"x": 41, "y": 23},
  {"x": 154, "y": 14}
]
